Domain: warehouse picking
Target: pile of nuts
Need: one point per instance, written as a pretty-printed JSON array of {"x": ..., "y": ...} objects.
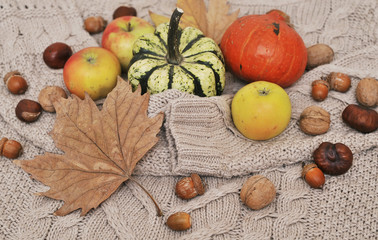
[
  {"x": 257, "y": 192},
  {"x": 333, "y": 159},
  {"x": 97, "y": 24},
  {"x": 186, "y": 188},
  {"x": 334, "y": 81}
]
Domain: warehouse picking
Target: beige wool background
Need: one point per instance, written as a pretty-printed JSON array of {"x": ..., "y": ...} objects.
[{"x": 198, "y": 136}]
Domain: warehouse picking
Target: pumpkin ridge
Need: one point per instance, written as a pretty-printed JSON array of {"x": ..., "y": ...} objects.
[
  {"x": 291, "y": 63},
  {"x": 216, "y": 75},
  {"x": 251, "y": 33},
  {"x": 197, "y": 83},
  {"x": 161, "y": 39},
  {"x": 213, "y": 52},
  {"x": 141, "y": 56},
  {"x": 143, "y": 80},
  {"x": 191, "y": 43},
  {"x": 267, "y": 63}
]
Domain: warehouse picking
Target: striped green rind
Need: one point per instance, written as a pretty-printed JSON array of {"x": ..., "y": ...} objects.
[{"x": 201, "y": 72}]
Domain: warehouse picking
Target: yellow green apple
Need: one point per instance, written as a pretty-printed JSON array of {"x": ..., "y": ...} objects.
[
  {"x": 93, "y": 70},
  {"x": 120, "y": 35},
  {"x": 261, "y": 110}
]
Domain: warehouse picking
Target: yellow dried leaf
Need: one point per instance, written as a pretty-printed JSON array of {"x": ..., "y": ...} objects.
[
  {"x": 101, "y": 148},
  {"x": 213, "y": 23},
  {"x": 218, "y": 19},
  {"x": 158, "y": 19}
]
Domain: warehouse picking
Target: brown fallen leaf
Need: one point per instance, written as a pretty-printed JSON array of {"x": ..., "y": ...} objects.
[
  {"x": 213, "y": 23},
  {"x": 101, "y": 148}
]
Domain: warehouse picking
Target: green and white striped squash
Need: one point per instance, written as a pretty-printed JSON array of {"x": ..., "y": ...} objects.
[{"x": 180, "y": 59}]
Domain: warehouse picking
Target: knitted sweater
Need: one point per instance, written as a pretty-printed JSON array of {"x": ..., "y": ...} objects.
[{"x": 198, "y": 136}]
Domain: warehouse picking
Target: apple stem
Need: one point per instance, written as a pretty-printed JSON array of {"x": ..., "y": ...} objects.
[
  {"x": 174, "y": 56},
  {"x": 129, "y": 27},
  {"x": 159, "y": 211}
]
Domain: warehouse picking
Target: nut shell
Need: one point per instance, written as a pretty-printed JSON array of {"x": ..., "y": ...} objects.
[
  {"x": 313, "y": 175},
  {"x": 179, "y": 221},
  {"x": 50, "y": 94},
  {"x": 314, "y": 120},
  {"x": 56, "y": 55},
  {"x": 16, "y": 84},
  {"x": 319, "y": 54},
  {"x": 339, "y": 81},
  {"x": 10, "y": 148},
  {"x": 367, "y": 92},
  {"x": 94, "y": 24},
  {"x": 333, "y": 159},
  {"x": 257, "y": 192},
  {"x": 190, "y": 187},
  {"x": 124, "y": 11},
  {"x": 28, "y": 110},
  {"x": 362, "y": 119},
  {"x": 319, "y": 90}
]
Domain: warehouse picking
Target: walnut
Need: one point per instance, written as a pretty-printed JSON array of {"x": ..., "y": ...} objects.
[
  {"x": 367, "y": 92},
  {"x": 257, "y": 192},
  {"x": 314, "y": 120},
  {"x": 48, "y": 95}
]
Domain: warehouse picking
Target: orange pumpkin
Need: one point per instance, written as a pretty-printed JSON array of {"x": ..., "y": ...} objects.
[{"x": 264, "y": 48}]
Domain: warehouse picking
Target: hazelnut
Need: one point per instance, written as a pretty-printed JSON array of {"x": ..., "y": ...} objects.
[
  {"x": 313, "y": 175},
  {"x": 179, "y": 221},
  {"x": 319, "y": 90},
  {"x": 94, "y": 24},
  {"x": 50, "y": 94},
  {"x": 56, "y": 55},
  {"x": 367, "y": 92},
  {"x": 362, "y": 119},
  {"x": 319, "y": 54},
  {"x": 10, "y": 148},
  {"x": 333, "y": 159},
  {"x": 314, "y": 120},
  {"x": 339, "y": 81},
  {"x": 124, "y": 11},
  {"x": 28, "y": 110},
  {"x": 15, "y": 83},
  {"x": 189, "y": 187},
  {"x": 257, "y": 192}
]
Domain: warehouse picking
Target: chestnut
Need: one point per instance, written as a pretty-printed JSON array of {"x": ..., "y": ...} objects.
[
  {"x": 56, "y": 55},
  {"x": 124, "y": 11},
  {"x": 28, "y": 110},
  {"x": 362, "y": 119},
  {"x": 333, "y": 159}
]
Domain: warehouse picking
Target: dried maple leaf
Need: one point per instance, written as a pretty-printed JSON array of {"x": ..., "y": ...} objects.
[
  {"x": 213, "y": 23},
  {"x": 101, "y": 148}
]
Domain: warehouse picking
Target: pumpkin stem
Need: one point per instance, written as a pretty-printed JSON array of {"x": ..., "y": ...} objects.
[{"x": 174, "y": 56}]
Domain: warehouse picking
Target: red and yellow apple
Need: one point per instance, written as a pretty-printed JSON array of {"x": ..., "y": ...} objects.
[
  {"x": 261, "y": 110},
  {"x": 93, "y": 70},
  {"x": 120, "y": 35}
]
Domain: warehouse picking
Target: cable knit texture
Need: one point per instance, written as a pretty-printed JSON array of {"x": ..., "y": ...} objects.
[{"x": 198, "y": 135}]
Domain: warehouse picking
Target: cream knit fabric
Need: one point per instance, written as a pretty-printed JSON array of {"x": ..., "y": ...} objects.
[{"x": 198, "y": 136}]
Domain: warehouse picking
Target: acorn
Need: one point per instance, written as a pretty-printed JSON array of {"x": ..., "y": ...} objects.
[
  {"x": 189, "y": 187},
  {"x": 313, "y": 175}
]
